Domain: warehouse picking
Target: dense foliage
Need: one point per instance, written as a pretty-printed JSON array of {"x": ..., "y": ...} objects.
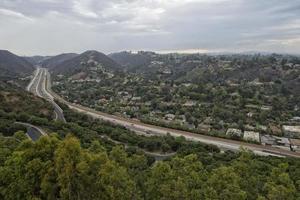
[
  {"x": 61, "y": 169},
  {"x": 200, "y": 93},
  {"x": 18, "y": 105}
]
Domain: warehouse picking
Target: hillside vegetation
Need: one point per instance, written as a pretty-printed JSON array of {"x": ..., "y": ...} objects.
[
  {"x": 12, "y": 66},
  {"x": 79, "y": 161}
]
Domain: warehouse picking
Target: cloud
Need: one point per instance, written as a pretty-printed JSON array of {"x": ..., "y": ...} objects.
[
  {"x": 83, "y": 8},
  {"x": 181, "y": 25},
  {"x": 14, "y": 14}
]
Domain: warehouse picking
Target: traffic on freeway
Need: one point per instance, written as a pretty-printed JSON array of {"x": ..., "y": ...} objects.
[{"x": 38, "y": 87}]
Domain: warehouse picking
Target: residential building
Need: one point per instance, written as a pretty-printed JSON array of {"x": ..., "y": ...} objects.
[
  {"x": 234, "y": 132},
  {"x": 274, "y": 141},
  {"x": 291, "y": 131},
  {"x": 295, "y": 145},
  {"x": 251, "y": 136}
]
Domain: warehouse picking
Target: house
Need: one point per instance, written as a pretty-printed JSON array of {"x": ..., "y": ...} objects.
[
  {"x": 268, "y": 140},
  {"x": 266, "y": 108},
  {"x": 166, "y": 71},
  {"x": 234, "y": 132},
  {"x": 204, "y": 128},
  {"x": 250, "y": 114},
  {"x": 291, "y": 131},
  {"x": 295, "y": 145},
  {"x": 190, "y": 103},
  {"x": 136, "y": 98},
  {"x": 170, "y": 117},
  {"x": 295, "y": 119},
  {"x": 274, "y": 141},
  {"x": 251, "y": 136}
]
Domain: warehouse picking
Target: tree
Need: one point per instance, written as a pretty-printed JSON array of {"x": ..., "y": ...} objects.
[
  {"x": 67, "y": 156},
  {"x": 115, "y": 183},
  {"x": 279, "y": 185},
  {"x": 223, "y": 183}
]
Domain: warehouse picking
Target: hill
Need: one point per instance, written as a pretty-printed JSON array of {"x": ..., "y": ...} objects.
[
  {"x": 55, "y": 61},
  {"x": 35, "y": 60},
  {"x": 12, "y": 65},
  {"x": 84, "y": 61},
  {"x": 131, "y": 60}
]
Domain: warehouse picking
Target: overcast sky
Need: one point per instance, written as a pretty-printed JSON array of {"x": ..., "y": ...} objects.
[{"x": 48, "y": 27}]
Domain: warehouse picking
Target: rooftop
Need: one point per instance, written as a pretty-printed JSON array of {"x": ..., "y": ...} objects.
[{"x": 295, "y": 129}]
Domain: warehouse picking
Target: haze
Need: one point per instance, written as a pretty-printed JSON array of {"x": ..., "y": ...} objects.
[{"x": 48, "y": 27}]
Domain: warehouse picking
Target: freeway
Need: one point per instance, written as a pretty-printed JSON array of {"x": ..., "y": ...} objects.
[
  {"x": 38, "y": 87},
  {"x": 136, "y": 126}
]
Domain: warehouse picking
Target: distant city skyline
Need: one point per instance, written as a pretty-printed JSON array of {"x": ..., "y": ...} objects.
[{"x": 50, "y": 27}]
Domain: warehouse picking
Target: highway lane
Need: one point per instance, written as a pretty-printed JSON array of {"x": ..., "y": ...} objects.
[
  {"x": 225, "y": 144},
  {"x": 35, "y": 75},
  {"x": 38, "y": 87}
]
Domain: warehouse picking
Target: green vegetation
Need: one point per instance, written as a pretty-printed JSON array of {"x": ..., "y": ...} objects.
[
  {"x": 80, "y": 160},
  {"x": 61, "y": 169},
  {"x": 199, "y": 93},
  {"x": 18, "y": 105}
]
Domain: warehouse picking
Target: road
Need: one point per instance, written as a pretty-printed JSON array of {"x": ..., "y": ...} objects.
[
  {"x": 33, "y": 132},
  {"x": 38, "y": 86},
  {"x": 142, "y": 128}
]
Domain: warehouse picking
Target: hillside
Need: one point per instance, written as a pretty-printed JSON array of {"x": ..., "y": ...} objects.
[
  {"x": 86, "y": 158},
  {"x": 36, "y": 60},
  {"x": 12, "y": 65},
  {"x": 18, "y": 105},
  {"x": 130, "y": 60},
  {"x": 88, "y": 59},
  {"x": 55, "y": 61}
]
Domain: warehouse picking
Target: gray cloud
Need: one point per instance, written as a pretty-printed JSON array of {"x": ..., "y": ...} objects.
[{"x": 53, "y": 26}]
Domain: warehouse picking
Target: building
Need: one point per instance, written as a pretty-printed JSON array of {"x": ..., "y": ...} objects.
[
  {"x": 291, "y": 131},
  {"x": 170, "y": 117},
  {"x": 274, "y": 141},
  {"x": 251, "y": 136},
  {"x": 204, "y": 128},
  {"x": 233, "y": 132},
  {"x": 295, "y": 119},
  {"x": 266, "y": 108},
  {"x": 190, "y": 103},
  {"x": 136, "y": 98},
  {"x": 268, "y": 140},
  {"x": 295, "y": 145}
]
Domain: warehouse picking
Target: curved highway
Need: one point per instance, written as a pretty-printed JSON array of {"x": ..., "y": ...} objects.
[
  {"x": 38, "y": 87},
  {"x": 33, "y": 132},
  {"x": 136, "y": 126}
]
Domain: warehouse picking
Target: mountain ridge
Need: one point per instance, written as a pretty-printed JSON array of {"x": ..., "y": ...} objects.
[{"x": 12, "y": 65}]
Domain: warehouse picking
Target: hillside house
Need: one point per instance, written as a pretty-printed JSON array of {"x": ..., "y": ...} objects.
[
  {"x": 251, "y": 136},
  {"x": 274, "y": 141},
  {"x": 295, "y": 145},
  {"x": 234, "y": 132},
  {"x": 291, "y": 131}
]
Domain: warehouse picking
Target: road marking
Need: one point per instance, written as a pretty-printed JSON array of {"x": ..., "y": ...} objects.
[
  {"x": 32, "y": 80},
  {"x": 38, "y": 83}
]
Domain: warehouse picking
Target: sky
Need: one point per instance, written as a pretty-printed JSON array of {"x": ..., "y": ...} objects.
[{"x": 50, "y": 27}]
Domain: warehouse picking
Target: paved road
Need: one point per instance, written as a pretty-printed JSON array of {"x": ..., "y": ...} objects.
[
  {"x": 139, "y": 127},
  {"x": 33, "y": 132},
  {"x": 38, "y": 86}
]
